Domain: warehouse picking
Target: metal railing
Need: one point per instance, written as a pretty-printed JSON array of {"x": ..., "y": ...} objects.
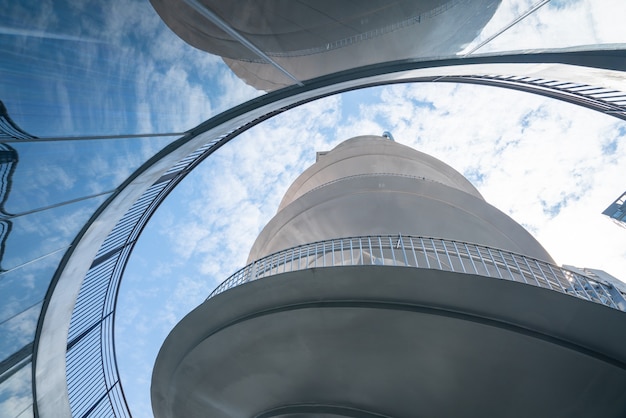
[
  {"x": 427, "y": 253},
  {"x": 608, "y": 101},
  {"x": 93, "y": 381}
]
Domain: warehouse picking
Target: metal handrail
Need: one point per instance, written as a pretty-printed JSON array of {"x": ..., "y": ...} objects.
[{"x": 427, "y": 253}]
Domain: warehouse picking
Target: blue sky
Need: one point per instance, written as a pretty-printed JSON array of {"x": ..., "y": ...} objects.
[{"x": 113, "y": 69}]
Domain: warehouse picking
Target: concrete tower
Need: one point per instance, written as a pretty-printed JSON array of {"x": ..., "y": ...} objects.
[{"x": 386, "y": 286}]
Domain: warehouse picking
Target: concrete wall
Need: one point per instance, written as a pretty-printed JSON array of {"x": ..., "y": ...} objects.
[{"x": 370, "y": 185}]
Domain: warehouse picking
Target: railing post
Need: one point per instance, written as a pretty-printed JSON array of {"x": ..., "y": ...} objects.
[
  {"x": 436, "y": 253},
  {"x": 582, "y": 286},
  {"x": 254, "y": 272},
  {"x": 469, "y": 255},
  {"x": 413, "y": 249},
  {"x": 361, "y": 251},
  {"x": 425, "y": 252},
  {"x": 495, "y": 265},
  {"x": 544, "y": 275},
  {"x": 458, "y": 254},
  {"x": 518, "y": 268},
  {"x": 341, "y": 249},
  {"x": 401, "y": 242},
  {"x": 506, "y": 265},
  {"x": 445, "y": 249},
  {"x": 556, "y": 278},
  {"x": 531, "y": 271},
  {"x": 617, "y": 298}
]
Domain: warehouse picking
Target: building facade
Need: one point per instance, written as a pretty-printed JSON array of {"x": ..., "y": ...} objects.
[
  {"x": 385, "y": 286},
  {"x": 617, "y": 210}
]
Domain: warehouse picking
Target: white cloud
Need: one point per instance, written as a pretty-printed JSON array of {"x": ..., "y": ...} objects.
[
  {"x": 16, "y": 394},
  {"x": 543, "y": 162}
]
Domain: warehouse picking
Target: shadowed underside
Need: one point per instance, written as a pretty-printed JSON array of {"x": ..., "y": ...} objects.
[{"x": 390, "y": 341}]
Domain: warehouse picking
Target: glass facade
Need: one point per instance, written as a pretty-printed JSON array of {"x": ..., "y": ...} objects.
[
  {"x": 80, "y": 104},
  {"x": 617, "y": 210},
  {"x": 99, "y": 98}
]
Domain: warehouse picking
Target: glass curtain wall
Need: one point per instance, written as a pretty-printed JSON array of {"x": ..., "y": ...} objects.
[{"x": 89, "y": 91}]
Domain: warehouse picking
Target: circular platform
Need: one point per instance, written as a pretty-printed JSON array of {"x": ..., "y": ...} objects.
[{"x": 373, "y": 341}]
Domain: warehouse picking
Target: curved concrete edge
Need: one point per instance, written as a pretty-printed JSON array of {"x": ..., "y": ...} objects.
[
  {"x": 49, "y": 380},
  {"x": 50, "y": 371},
  {"x": 539, "y": 313}
]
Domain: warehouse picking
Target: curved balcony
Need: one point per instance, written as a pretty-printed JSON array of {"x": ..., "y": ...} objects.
[{"x": 428, "y": 253}]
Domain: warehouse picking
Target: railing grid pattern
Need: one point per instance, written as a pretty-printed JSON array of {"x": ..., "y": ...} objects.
[
  {"x": 429, "y": 253},
  {"x": 605, "y": 100},
  {"x": 93, "y": 380}
]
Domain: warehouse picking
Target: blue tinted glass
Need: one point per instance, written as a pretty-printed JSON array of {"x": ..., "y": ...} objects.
[
  {"x": 55, "y": 172},
  {"x": 92, "y": 67},
  {"x": 41, "y": 233},
  {"x": 26, "y": 286},
  {"x": 18, "y": 331},
  {"x": 16, "y": 395}
]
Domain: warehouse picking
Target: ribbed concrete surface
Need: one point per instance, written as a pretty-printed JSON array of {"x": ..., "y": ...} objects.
[{"x": 369, "y": 185}]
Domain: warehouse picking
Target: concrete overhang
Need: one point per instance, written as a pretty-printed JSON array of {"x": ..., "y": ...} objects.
[{"x": 396, "y": 342}]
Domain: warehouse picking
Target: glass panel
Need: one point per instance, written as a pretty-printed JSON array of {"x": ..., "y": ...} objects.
[
  {"x": 556, "y": 24},
  {"x": 16, "y": 395},
  {"x": 25, "y": 286},
  {"x": 54, "y": 172},
  {"x": 91, "y": 68},
  {"x": 18, "y": 331},
  {"x": 41, "y": 233},
  {"x": 28, "y": 413}
]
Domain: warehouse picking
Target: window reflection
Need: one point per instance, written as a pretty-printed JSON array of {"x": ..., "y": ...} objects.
[
  {"x": 23, "y": 287},
  {"x": 57, "y": 172},
  {"x": 40, "y": 234},
  {"x": 18, "y": 331},
  {"x": 16, "y": 396}
]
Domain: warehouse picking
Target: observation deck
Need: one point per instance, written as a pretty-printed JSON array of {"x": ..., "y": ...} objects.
[
  {"x": 397, "y": 326},
  {"x": 428, "y": 253}
]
